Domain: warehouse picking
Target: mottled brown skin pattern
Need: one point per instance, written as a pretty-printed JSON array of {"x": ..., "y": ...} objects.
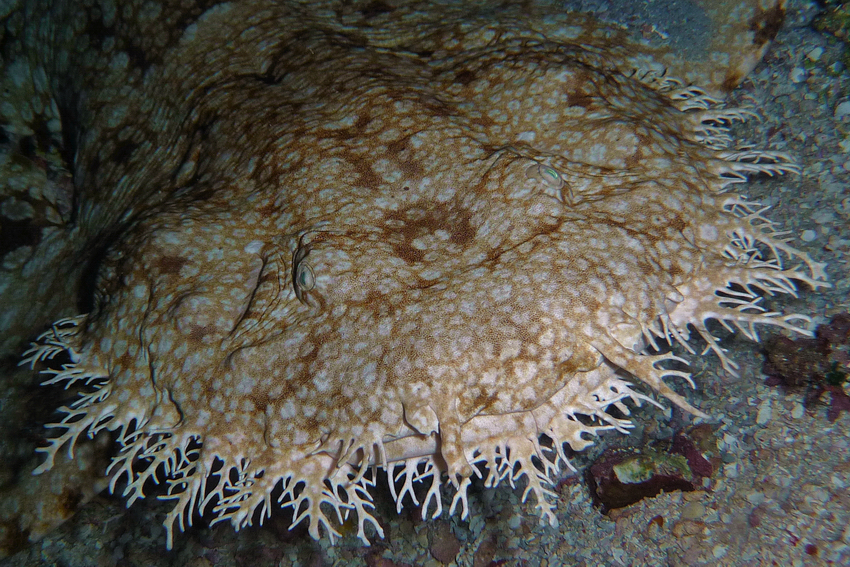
[{"x": 352, "y": 234}]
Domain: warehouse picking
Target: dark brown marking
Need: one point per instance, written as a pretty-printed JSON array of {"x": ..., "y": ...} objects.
[
  {"x": 376, "y": 8},
  {"x": 69, "y": 502},
  {"x": 732, "y": 80},
  {"x": 198, "y": 333},
  {"x": 465, "y": 77},
  {"x": 766, "y": 24},
  {"x": 406, "y": 252},
  {"x": 17, "y": 233},
  {"x": 122, "y": 154},
  {"x": 366, "y": 176},
  {"x": 14, "y": 538},
  {"x": 126, "y": 360},
  {"x": 138, "y": 57},
  {"x": 580, "y": 98},
  {"x": 360, "y": 124},
  {"x": 170, "y": 264},
  {"x": 405, "y": 226},
  {"x": 398, "y": 146},
  {"x": 269, "y": 210}
]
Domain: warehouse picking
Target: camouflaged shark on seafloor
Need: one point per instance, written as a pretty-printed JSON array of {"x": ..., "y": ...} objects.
[{"x": 425, "y": 241}]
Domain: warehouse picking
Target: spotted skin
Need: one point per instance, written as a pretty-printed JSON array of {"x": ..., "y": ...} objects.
[{"x": 401, "y": 237}]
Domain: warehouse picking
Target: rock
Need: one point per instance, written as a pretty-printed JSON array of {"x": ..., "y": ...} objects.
[
  {"x": 444, "y": 544},
  {"x": 820, "y": 366},
  {"x": 619, "y": 478},
  {"x": 765, "y": 412}
]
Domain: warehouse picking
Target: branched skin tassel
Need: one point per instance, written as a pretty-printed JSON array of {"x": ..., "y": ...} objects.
[{"x": 419, "y": 256}]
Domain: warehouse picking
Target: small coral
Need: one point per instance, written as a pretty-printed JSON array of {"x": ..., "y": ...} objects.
[
  {"x": 834, "y": 20},
  {"x": 820, "y": 365},
  {"x": 620, "y": 478}
]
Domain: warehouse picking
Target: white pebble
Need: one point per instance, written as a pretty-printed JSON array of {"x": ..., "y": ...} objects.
[
  {"x": 620, "y": 556},
  {"x": 755, "y": 498},
  {"x": 842, "y": 110},
  {"x": 814, "y": 54},
  {"x": 719, "y": 551},
  {"x": 765, "y": 412},
  {"x": 798, "y": 75},
  {"x": 808, "y": 235}
]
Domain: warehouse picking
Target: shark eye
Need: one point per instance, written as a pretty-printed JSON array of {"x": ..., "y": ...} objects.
[
  {"x": 303, "y": 278},
  {"x": 547, "y": 175}
]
